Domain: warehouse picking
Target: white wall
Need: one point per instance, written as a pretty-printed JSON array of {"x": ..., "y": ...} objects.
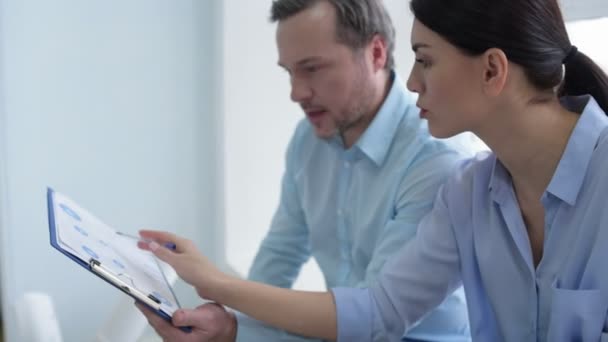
[
  {"x": 584, "y": 9},
  {"x": 583, "y": 34},
  {"x": 259, "y": 120},
  {"x": 112, "y": 102}
]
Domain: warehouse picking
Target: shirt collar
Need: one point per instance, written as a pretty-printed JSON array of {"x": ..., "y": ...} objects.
[
  {"x": 568, "y": 178},
  {"x": 500, "y": 182},
  {"x": 377, "y": 138},
  {"x": 572, "y": 168}
]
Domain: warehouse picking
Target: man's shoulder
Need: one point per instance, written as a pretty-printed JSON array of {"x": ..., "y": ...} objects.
[{"x": 414, "y": 145}]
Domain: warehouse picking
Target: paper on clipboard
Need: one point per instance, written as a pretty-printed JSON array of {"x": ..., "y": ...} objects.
[{"x": 96, "y": 246}]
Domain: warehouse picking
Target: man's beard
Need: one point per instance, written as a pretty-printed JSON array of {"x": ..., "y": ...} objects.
[{"x": 362, "y": 97}]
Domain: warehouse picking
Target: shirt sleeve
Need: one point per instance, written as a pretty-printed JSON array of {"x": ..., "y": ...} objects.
[
  {"x": 286, "y": 246},
  {"x": 417, "y": 191},
  {"x": 420, "y": 276}
]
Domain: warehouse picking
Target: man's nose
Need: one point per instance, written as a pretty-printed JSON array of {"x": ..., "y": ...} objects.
[{"x": 300, "y": 91}]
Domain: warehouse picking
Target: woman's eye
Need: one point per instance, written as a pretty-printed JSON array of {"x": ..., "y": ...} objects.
[{"x": 425, "y": 63}]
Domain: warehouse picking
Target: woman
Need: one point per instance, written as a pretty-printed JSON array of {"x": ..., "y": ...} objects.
[{"x": 522, "y": 228}]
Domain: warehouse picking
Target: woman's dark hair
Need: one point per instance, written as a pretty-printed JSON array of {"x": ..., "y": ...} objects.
[{"x": 531, "y": 33}]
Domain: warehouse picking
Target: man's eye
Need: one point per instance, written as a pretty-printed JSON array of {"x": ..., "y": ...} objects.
[{"x": 311, "y": 68}]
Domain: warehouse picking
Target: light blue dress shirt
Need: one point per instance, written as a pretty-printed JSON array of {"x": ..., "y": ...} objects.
[
  {"x": 475, "y": 235},
  {"x": 351, "y": 209}
]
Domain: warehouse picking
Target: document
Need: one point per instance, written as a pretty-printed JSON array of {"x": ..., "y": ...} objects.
[{"x": 115, "y": 258}]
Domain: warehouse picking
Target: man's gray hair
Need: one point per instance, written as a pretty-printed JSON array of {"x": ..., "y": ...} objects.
[{"x": 358, "y": 21}]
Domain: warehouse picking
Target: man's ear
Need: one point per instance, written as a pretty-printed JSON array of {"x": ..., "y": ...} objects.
[
  {"x": 379, "y": 53},
  {"x": 495, "y": 67}
]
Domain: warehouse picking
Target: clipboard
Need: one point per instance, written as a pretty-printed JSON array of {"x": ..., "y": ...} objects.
[{"x": 116, "y": 259}]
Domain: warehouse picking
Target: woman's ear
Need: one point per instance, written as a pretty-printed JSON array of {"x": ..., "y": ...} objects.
[{"x": 495, "y": 66}]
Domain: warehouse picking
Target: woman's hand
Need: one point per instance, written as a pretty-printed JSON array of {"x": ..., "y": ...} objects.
[
  {"x": 305, "y": 313},
  {"x": 193, "y": 267}
]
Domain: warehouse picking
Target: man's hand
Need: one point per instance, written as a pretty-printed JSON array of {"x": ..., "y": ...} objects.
[{"x": 210, "y": 322}]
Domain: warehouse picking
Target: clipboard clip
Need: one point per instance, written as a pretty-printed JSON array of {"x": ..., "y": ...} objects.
[{"x": 149, "y": 300}]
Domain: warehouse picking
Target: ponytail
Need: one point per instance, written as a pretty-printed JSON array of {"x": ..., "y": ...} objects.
[{"x": 584, "y": 76}]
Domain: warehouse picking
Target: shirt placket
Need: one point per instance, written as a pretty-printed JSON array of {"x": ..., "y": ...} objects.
[
  {"x": 515, "y": 224},
  {"x": 544, "y": 278},
  {"x": 343, "y": 213}
]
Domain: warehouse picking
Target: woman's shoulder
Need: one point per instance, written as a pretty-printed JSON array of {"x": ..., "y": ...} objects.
[
  {"x": 470, "y": 179},
  {"x": 477, "y": 168},
  {"x": 599, "y": 160}
]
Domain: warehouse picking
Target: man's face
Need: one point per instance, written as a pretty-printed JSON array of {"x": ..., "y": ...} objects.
[{"x": 329, "y": 80}]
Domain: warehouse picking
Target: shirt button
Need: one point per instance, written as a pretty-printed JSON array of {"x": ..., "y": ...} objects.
[
  {"x": 339, "y": 212},
  {"x": 347, "y": 165}
]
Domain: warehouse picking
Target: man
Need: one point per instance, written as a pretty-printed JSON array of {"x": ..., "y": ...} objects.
[{"x": 361, "y": 170}]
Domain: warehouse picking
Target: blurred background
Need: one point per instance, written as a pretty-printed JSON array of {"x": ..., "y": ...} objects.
[{"x": 150, "y": 113}]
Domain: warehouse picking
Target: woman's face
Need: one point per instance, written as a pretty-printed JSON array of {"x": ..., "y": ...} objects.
[{"x": 449, "y": 84}]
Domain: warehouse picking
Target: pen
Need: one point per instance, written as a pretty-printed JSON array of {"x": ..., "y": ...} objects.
[{"x": 169, "y": 245}]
